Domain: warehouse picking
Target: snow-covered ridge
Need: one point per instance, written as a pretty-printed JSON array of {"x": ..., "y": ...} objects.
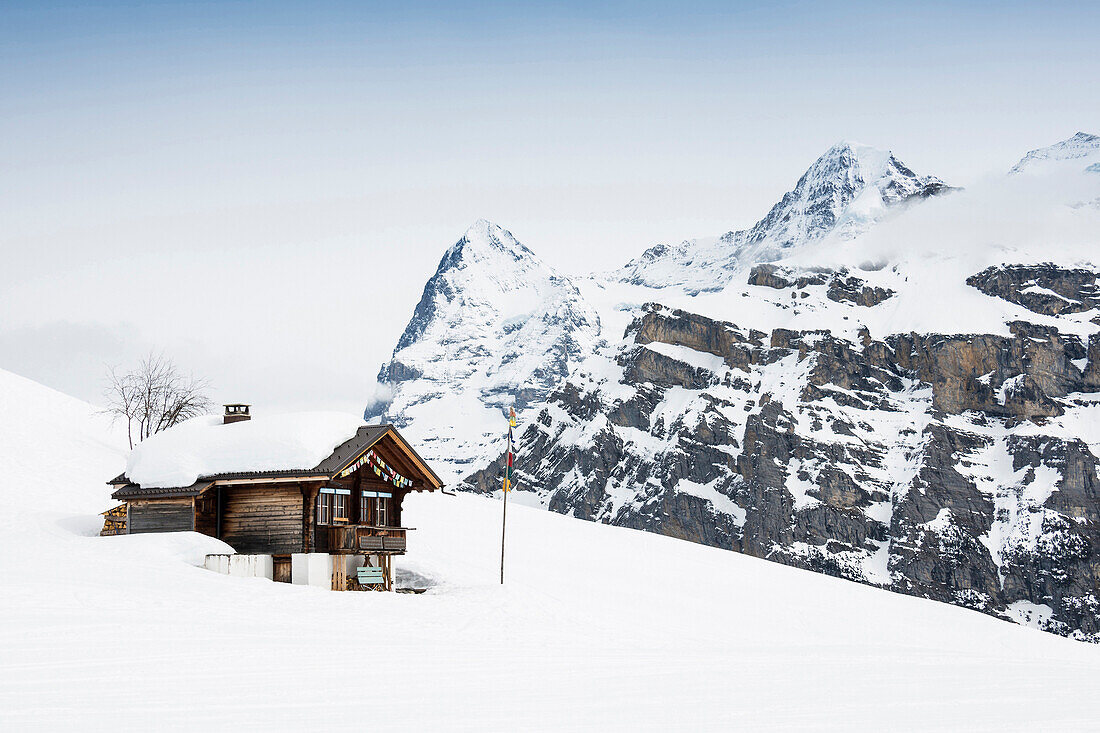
[
  {"x": 843, "y": 194},
  {"x": 495, "y": 326},
  {"x": 844, "y": 190},
  {"x": 487, "y": 252},
  {"x": 1082, "y": 147}
]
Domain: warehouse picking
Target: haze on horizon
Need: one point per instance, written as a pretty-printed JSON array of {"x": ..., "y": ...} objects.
[{"x": 261, "y": 190}]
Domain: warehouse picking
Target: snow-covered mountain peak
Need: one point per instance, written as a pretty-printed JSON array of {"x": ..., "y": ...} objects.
[
  {"x": 866, "y": 163},
  {"x": 843, "y": 193},
  {"x": 486, "y": 239},
  {"x": 850, "y": 184},
  {"x": 849, "y": 154},
  {"x": 495, "y": 326},
  {"x": 485, "y": 270},
  {"x": 1083, "y": 147}
]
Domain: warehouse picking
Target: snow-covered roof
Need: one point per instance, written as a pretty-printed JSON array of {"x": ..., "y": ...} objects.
[{"x": 204, "y": 447}]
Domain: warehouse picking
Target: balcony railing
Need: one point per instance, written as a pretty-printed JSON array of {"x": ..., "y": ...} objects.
[{"x": 355, "y": 538}]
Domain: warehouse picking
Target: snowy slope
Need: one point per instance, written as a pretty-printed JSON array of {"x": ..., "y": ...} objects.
[
  {"x": 843, "y": 193},
  {"x": 495, "y": 326},
  {"x": 598, "y": 628},
  {"x": 49, "y": 439}
]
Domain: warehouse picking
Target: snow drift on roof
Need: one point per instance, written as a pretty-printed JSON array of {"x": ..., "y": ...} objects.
[{"x": 203, "y": 446}]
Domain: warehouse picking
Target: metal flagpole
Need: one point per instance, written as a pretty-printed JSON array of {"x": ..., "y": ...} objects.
[
  {"x": 507, "y": 486},
  {"x": 504, "y": 518}
]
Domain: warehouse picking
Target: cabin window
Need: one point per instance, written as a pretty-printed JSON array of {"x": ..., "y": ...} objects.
[
  {"x": 376, "y": 507},
  {"x": 332, "y": 505}
]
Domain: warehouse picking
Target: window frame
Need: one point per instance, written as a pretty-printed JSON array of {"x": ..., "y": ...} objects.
[
  {"x": 332, "y": 506},
  {"x": 376, "y": 508}
]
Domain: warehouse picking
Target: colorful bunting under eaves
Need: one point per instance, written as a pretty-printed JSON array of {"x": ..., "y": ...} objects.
[{"x": 380, "y": 468}]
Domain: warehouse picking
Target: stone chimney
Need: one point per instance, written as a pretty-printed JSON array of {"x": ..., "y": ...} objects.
[{"x": 235, "y": 413}]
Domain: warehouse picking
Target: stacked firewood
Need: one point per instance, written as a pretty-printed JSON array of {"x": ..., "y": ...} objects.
[{"x": 114, "y": 521}]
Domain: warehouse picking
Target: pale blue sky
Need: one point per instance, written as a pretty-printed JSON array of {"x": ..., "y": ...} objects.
[{"x": 157, "y": 154}]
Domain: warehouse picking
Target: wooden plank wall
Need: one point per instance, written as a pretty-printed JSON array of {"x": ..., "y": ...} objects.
[
  {"x": 206, "y": 516},
  {"x": 160, "y": 515},
  {"x": 265, "y": 518}
]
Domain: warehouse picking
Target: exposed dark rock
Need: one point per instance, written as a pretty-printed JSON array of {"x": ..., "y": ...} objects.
[
  {"x": 773, "y": 276},
  {"x": 854, "y": 290},
  {"x": 1047, "y": 289},
  {"x": 680, "y": 328},
  {"x": 842, "y": 286}
]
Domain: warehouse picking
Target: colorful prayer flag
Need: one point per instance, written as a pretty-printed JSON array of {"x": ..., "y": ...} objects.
[{"x": 509, "y": 456}]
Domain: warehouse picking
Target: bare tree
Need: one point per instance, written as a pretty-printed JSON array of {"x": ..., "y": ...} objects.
[{"x": 155, "y": 396}]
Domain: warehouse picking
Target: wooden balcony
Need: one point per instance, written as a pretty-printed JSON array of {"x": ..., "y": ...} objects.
[{"x": 356, "y": 539}]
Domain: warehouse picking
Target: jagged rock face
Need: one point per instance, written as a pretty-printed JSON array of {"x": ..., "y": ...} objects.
[
  {"x": 820, "y": 201},
  {"x": 842, "y": 194},
  {"x": 997, "y": 375},
  {"x": 843, "y": 287},
  {"x": 1046, "y": 289},
  {"x": 944, "y": 466},
  {"x": 495, "y": 327}
]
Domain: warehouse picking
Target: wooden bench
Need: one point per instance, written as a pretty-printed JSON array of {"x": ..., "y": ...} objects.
[{"x": 370, "y": 575}]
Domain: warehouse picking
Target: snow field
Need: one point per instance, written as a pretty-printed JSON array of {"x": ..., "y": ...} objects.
[{"x": 598, "y": 628}]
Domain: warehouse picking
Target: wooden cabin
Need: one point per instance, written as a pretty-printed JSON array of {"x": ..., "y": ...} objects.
[{"x": 350, "y": 503}]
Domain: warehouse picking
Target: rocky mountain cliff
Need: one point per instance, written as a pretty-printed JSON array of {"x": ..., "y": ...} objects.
[
  {"x": 843, "y": 193},
  {"x": 947, "y": 466}
]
